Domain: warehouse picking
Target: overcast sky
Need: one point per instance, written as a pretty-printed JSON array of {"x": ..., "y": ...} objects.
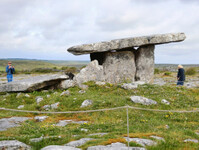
[{"x": 44, "y": 29}]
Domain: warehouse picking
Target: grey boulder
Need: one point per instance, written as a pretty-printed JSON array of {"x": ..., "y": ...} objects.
[
  {"x": 114, "y": 146},
  {"x": 86, "y": 103},
  {"x": 79, "y": 142},
  {"x": 142, "y": 100},
  {"x": 13, "y": 145},
  {"x": 92, "y": 72},
  {"x": 58, "y": 147},
  {"x": 142, "y": 142}
]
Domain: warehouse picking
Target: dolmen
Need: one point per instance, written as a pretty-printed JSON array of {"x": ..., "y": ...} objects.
[{"x": 128, "y": 59}]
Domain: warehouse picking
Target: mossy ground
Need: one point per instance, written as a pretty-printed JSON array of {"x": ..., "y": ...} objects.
[{"x": 143, "y": 124}]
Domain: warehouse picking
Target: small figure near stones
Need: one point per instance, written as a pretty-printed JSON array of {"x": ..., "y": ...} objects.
[
  {"x": 10, "y": 71},
  {"x": 181, "y": 75}
]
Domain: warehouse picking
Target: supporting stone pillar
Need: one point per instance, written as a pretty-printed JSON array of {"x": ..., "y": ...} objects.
[
  {"x": 144, "y": 60},
  {"x": 117, "y": 66}
]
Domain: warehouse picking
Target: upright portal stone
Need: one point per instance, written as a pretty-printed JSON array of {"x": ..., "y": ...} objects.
[
  {"x": 144, "y": 61},
  {"x": 119, "y": 66}
]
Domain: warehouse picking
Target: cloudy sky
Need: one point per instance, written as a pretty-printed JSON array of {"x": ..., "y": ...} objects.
[{"x": 44, "y": 29}]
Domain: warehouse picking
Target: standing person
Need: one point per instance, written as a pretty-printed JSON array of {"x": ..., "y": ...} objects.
[
  {"x": 181, "y": 75},
  {"x": 10, "y": 71}
]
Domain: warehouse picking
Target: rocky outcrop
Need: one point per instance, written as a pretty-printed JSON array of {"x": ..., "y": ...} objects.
[
  {"x": 58, "y": 147},
  {"x": 79, "y": 142},
  {"x": 114, "y": 146},
  {"x": 120, "y": 44},
  {"x": 6, "y": 123},
  {"x": 13, "y": 145},
  {"x": 33, "y": 83}
]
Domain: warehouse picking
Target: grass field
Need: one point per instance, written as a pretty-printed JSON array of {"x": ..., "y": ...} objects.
[{"x": 142, "y": 123}]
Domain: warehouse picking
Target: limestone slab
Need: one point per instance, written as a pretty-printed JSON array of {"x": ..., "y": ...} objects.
[{"x": 125, "y": 43}]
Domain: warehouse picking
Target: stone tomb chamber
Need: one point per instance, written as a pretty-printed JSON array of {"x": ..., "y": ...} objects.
[{"x": 129, "y": 59}]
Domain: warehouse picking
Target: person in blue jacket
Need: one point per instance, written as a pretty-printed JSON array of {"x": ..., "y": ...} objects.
[
  {"x": 10, "y": 71},
  {"x": 181, "y": 75}
]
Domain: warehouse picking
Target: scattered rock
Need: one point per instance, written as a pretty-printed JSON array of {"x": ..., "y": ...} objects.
[
  {"x": 40, "y": 118},
  {"x": 57, "y": 147},
  {"x": 157, "y": 138},
  {"x": 167, "y": 126},
  {"x": 164, "y": 101},
  {"x": 18, "y": 95},
  {"x": 83, "y": 86},
  {"x": 129, "y": 86},
  {"x": 65, "y": 93},
  {"x": 191, "y": 140},
  {"x": 197, "y": 133},
  {"x": 20, "y": 106},
  {"x": 159, "y": 81},
  {"x": 67, "y": 84},
  {"x": 142, "y": 100},
  {"x": 27, "y": 95},
  {"x": 48, "y": 96},
  {"x": 86, "y": 103},
  {"x": 55, "y": 106},
  {"x": 82, "y": 91},
  {"x": 6, "y": 123},
  {"x": 13, "y": 145},
  {"x": 79, "y": 142},
  {"x": 63, "y": 123},
  {"x": 33, "y": 83},
  {"x": 39, "y": 99},
  {"x": 98, "y": 134},
  {"x": 100, "y": 83},
  {"x": 114, "y": 146},
  {"x": 55, "y": 93},
  {"x": 52, "y": 106},
  {"x": 143, "y": 142},
  {"x": 85, "y": 130},
  {"x": 42, "y": 138}
]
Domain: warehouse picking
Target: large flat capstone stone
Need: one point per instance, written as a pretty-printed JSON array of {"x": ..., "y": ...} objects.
[
  {"x": 126, "y": 43},
  {"x": 33, "y": 83}
]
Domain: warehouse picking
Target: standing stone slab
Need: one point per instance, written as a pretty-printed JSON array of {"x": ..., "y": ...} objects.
[
  {"x": 145, "y": 63},
  {"x": 119, "y": 66}
]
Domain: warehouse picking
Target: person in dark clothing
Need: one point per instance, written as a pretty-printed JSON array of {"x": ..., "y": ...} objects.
[
  {"x": 10, "y": 71},
  {"x": 181, "y": 75}
]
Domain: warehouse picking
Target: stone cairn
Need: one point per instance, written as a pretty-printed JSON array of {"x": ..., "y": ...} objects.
[{"x": 129, "y": 59}]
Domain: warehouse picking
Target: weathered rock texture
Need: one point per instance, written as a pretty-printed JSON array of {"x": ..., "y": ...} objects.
[
  {"x": 92, "y": 72},
  {"x": 145, "y": 63},
  {"x": 6, "y": 123},
  {"x": 119, "y": 61},
  {"x": 13, "y": 145},
  {"x": 119, "y": 66},
  {"x": 120, "y": 44},
  {"x": 34, "y": 83}
]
